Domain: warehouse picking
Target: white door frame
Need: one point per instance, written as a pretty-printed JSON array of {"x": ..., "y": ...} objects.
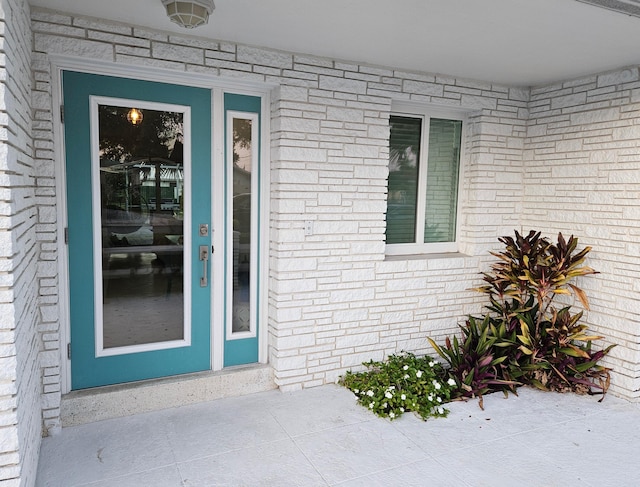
[{"x": 218, "y": 87}]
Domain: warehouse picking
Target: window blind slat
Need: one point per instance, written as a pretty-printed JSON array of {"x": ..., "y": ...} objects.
[{"x": 404, "y": 154}]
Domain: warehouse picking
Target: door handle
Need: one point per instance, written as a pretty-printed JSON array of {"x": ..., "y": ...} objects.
[{"x": 204, "y": 257}]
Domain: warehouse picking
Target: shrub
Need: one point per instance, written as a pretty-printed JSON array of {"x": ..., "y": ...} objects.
[
  {"x": 475, "y": 362},
  {"x": 400, "y": 384},
  {"x": 526, "y": 338}
]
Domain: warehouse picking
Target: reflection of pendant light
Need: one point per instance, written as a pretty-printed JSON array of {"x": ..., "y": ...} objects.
[
  {"x": 189, "y": 13},
  {"x": 134, "y": 116}
]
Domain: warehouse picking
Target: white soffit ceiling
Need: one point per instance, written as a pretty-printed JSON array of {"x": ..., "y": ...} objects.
[{"x": 512, "y": 42}]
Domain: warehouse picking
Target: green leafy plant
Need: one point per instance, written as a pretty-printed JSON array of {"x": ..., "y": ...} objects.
[
  {"x": 401, "y": 384},
  {"x": 475, "y": 361},
  {"x": 528, "y": 337}
]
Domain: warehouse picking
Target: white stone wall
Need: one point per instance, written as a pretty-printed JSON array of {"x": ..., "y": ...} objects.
[
  {"x": 20, "y": 414},
  {"x": 583, "y": 178},
  {"x": 334, "y": 299},
  {"x": 561, "y": 158},
  {"x": 48, "y": 278}
]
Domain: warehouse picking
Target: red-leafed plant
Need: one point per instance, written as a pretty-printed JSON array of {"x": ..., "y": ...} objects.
[{"x": 528, "y": 337}]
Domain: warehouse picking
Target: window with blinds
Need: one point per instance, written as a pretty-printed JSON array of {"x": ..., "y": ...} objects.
[{"x": 424, "y": 169}]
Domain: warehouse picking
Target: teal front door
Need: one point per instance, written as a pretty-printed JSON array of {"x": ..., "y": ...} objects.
[{"x": 138, "y": 173}]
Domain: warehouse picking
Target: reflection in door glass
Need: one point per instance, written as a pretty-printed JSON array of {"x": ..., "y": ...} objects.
[
  {"x": 242, "y": 167},
  {"x": 142, "y": 209}
]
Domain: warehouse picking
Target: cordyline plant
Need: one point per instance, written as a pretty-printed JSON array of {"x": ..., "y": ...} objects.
[
  {"x": 476, "y": 362},
  {"x": 527, "y": 337}
]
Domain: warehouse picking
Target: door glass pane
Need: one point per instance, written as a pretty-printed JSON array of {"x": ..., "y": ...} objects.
[
  {"x": 404, "y": 154},
  {"x": 242, "y": 238},
  {"x": 142, "y": 209},
  {"x": 442, "y": 180}
]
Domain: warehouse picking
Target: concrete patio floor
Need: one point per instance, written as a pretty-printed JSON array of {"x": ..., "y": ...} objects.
[{"x": 321, "y": 437}]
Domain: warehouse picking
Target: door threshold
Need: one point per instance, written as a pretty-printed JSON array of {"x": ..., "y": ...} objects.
[{"x": 100, "y": 403}]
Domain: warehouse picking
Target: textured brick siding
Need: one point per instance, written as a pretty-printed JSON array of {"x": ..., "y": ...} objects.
[
  {"x": 334, "y": 299},
  {"x": 583, "y": 177},
  {"x": 20, "y": 413}
]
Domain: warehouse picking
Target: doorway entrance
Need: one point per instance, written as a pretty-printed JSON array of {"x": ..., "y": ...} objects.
[{"x": 139, "y": 198}]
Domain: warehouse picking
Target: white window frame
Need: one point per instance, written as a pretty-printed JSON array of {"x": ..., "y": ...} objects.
[
  {"x": 95, "y": 103},
  {"x": 255, "y": 237},
  {"x": 426, "y": 113}
]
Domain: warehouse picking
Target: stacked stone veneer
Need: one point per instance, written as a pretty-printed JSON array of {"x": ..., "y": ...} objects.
[
  {"x": 582, "y": 177},
  {"x": 20, "y": 383},
  {"x": 334, "y": 299}
]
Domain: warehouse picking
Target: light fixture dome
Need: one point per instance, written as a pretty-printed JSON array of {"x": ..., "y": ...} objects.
[{"x": 189, "y": 13}]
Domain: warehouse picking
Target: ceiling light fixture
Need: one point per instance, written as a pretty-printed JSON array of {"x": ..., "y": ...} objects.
[{"x": 189, "y": 13}]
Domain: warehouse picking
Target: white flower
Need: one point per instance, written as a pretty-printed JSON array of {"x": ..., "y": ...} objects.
[
  {"x": 384, "y": 405},
  {"x": 451, "y": 382},
  {"x": 406, "y": 376},
  {"x": 370, "y": 393},
  {"x": 388, "y": 395},
  {"x": 432, "y": 363},
  {"x": 406, "y": 367},
  {"x": 392, "y": 415},
  {"x": 370, "y": 405},
  {"x": 430, "y": 397},
  {"x": 356, "y": 391},
  {"x": 419, "y": 374},
  {"x": 402, "y": 410},
  {"x": 440, "y": 410},
  {"x": 439, "y": 399},
  {"x": 436, "y": 384},
  {"x": 403, "y": 397}
]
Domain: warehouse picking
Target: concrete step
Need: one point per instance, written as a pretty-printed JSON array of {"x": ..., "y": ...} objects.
[{"x": 90, "y": 405}]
